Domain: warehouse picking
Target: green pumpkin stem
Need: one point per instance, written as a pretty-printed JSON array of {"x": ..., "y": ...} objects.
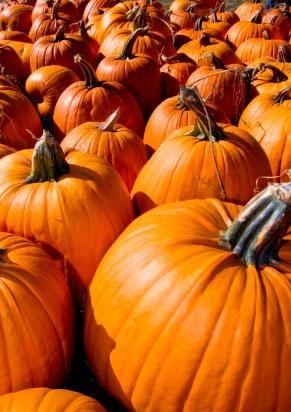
[
  {"x": 88, "y": 71},
  {"x": 126, "y": 52},
  {"x": 208, "y": 129},
  {"x": 48, "y": 160},
  {"x": 110, "y": 122},
  {"x": 256, "y": 234}
]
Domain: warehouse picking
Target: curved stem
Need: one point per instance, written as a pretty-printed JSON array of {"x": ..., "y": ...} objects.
[
  {"x": 283, "y": 95},
  {"x": 278, "y": 76},
  {"x": 220, "y": 7},
  {"x": 110, "y": 122},
  {"x": 60, "y": 34},
  {"x": 175, "y": 58},
  {"x": 216, "y": 63},
  {"x": 266, "y": 35},
  {"x": 213, "y": 16},
  {"x": 48, "y": 160},
  {"x": 88, "y": 71},
  {"x": 257, "y": 17},
  {"x": 55, "y": 9},
  {"x": 256, "y": 234},
  {"x": 126, "y": 52},
  {"x": 198, "y": 23}
]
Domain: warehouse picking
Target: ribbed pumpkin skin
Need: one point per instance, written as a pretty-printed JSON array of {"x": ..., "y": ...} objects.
[
  {"x": 184, "y": 168},
  {"x": 167, "y": 117},
  {"x": 5, "y": 150},
  {"x": 78, "y": 104},
  {"x": 242, "y": 31},
  {"x": 251, "y": 49},
  {"x": 44, "y": 25},
  {"x": 37, "y": 322},
  {"x": 14, "y": 35},
  {"x": 22, "y": 49},
  {"x": 66, "y": 217},
  {"x": 48, "y": 400},
  {"x": 225, "y": 88},
  {"x": 18, "y": 115},
  {"x": 122, "y": 148},
  {"x": 272, "y": 131},
  {"x": 12, "y": 63},
  {"x": 46, "y": 84},
  {"x": 175, "y": 323},
  {"x": 17, "y": 17},
  {"x": 245, "y": 11}
]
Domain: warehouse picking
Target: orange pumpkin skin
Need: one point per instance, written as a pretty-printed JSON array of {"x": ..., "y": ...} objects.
[
  {"x": 184, "y": 168},
  {"x": 92, "y": 100},
  {"x": 91, "y": 196},
  {"x": 45, "y": 25},
  {"x": 14, "y": 35},
  {"x": 17, "y": 17},
  {"x": 14, "y": 122},
  {"x": 251, "y": 49},
  {"x": 246, "y": 10},
  {"x": 46, "y": 84},
  {"x": 121, "y": 147},
  {"x": 45, "y": 399},
  {"x": 22, "y": 49},
  {"x": 5, "y": 150},
  {"x": 176, "y": 355},
  {"x": 37, "y": 321},
  {"x": 242, "y": 31},
  {"x": 224, "y": 86},
  {"x": 171, "y": 115},
  {"x": 67, "y": 10},
  {"x": 12, "y": 63}
]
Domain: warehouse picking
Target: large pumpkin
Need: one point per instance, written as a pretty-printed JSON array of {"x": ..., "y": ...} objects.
[
  {"x": 73, "y": 207},
  {"x": 45, "y": 399},
  {"x": 182, "y": 318},
  {"x": 201, "y": 161},
  {"x": 36, "y": 316},
  {"x": 94, "y": 100}
]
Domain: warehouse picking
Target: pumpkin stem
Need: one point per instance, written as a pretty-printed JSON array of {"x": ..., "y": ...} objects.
[
  {"x": 216, "y": 63},
  {"x": 48, "y": 160},
  {"x": 266, "y": 35},
  {"x": 278, "y": 76},
  {"x": 208, "y": 129},
  {"x": 257, "y": 17},
  {"x": 126, "y": 52},
  {"x": 256, "y": 234},
  {"x": 60, "y": 34},
  {"x": 282, "y": 95},
  {"x": 198, "y": 23},
  {"x": 284, "y": 53},
  {"x": 175, "y": 58},
  {"x": 88, "y": 71},
  {"x": 137, "y": 15},
  {"x": 110, "y": 122},
  {"x": 220, "y": 7},
  {"x": 213, "y": 16},
  {"x": 55, "y": 9}
]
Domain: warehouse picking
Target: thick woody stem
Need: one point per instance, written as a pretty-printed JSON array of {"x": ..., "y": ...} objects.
[
  {"x": 126, "y": 52},
  {"x": 88, "y": 71},
  {"x": 256, "y": 234},
  {"x": 48, "y": 160}
]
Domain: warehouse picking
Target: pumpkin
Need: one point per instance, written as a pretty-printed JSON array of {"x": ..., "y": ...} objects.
[
  {"x": 59, "y": 49},
  {"x": 5, "y": 150},
  {"x": 67, "y": 10},
  {"x": 14, "y": 35},
  {"x": 196, "y": 49},
  {"x": 281, "y": 20},
  {"x": 12, "y": 63},
  {"x": 183, "y": 19},
  {"x": 251, "y": 49},
  {"x": 46, "y": 24},
  {"x": 201, "y": 161},
  {"x": 174, "y": 72},
  {"x": 17, "y": 117},
  {"x": 215, "y": 81},
  {"x": 139, "y": 73},
  {"x": 121, "y": 147},
  {"x": 46, "y": 84},
  {"x": 224, "y": 322},
  {"x": 77, "y": 195},
  {"x": 214, "y": 22},
  {"x": 93, "y": 6},
  {"x": 271, "y": 130},
  {"x": 225, "y": 16},
  {"x": 93, "y": 100},
  {"x": 172, "y": 114},
  {"x": 246, "y": 10},
  {"x": 185, "y": 35},
  {"x": 45, "y": 399},
  {"x": 37, "y": 317},
  {"x": 22, "y": 49},
  {"x": 16, "y": 17}
]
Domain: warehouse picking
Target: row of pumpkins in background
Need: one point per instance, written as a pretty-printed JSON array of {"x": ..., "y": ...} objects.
[{"x": 173, "y": 321}]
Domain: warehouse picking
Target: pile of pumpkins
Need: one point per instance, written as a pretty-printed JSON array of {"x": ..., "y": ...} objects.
[{"x": 145, "y": 182}]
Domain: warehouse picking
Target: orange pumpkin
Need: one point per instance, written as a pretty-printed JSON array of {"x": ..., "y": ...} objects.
[
  {"x": 121, "y": 147},
  {"x": 77, "y": 195},
  {"x": 46, "y": 84},
  {"x": 93, "y": 100},
  {"x": 37, "y": 317},
  {"x": 45, "y": 399},
  {"x": 201, "y": 161},
  {"x": 246, "y": 10},
  {"x": 16, "y": 17},
  {"x": 191, "y": 312},
  {"x": 22, "y": 49}
]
